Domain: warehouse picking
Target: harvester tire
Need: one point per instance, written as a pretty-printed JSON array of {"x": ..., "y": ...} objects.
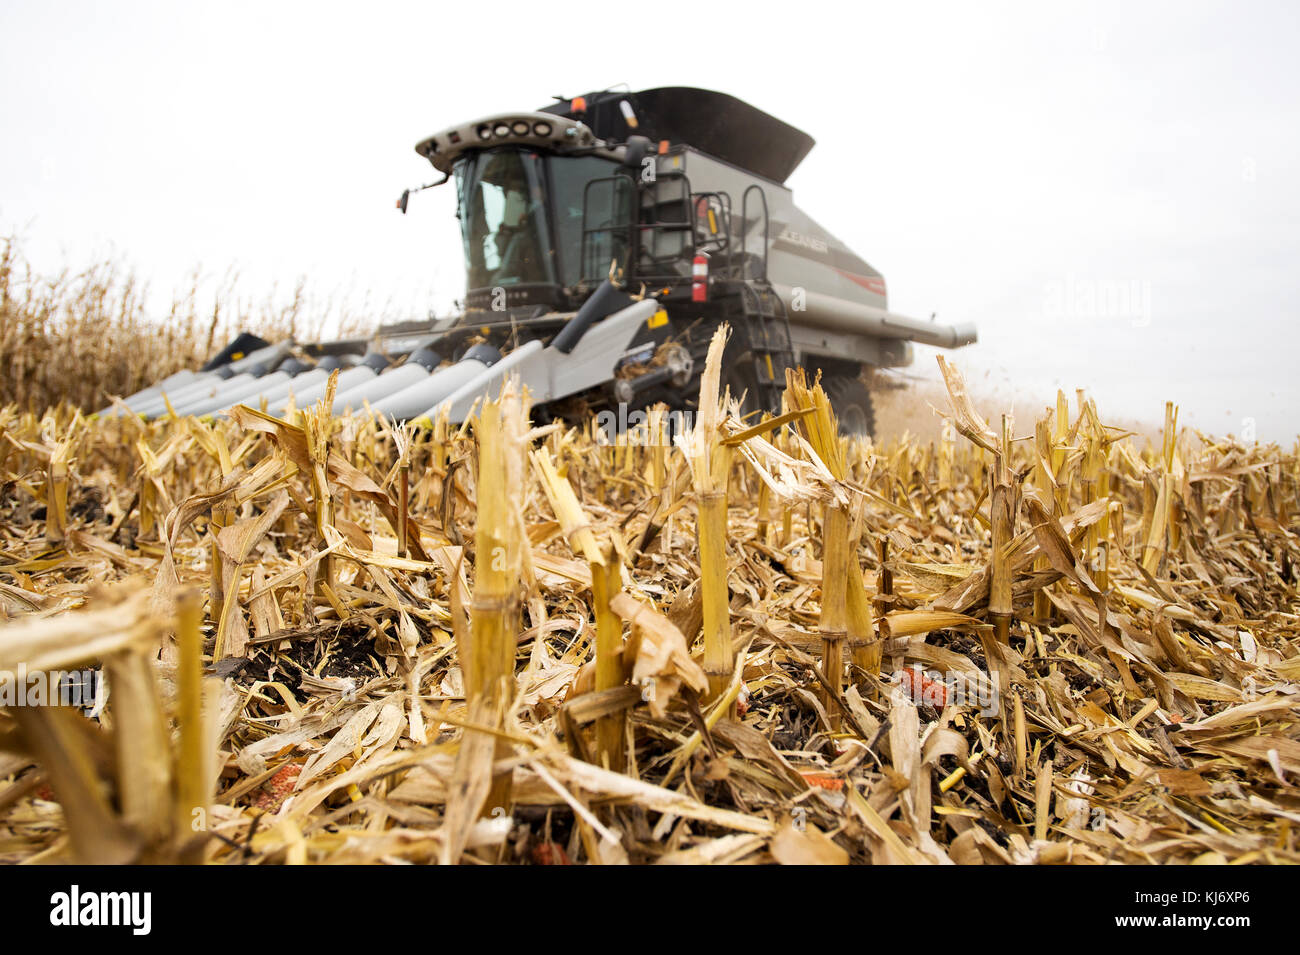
[
  {"x": 738, "y": 375},
  {"x": 851, "y": 402}
]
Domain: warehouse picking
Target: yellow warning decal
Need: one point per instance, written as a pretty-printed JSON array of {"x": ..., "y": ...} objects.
[
  {"x": 236, "y": 356},
  {"x": 658, "y": 319}
]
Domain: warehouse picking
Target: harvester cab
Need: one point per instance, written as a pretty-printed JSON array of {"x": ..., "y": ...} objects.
[{"x": 606, "y": 237}]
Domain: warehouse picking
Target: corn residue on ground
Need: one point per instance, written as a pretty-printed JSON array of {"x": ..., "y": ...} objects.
[{"x": 336, "y": 640}]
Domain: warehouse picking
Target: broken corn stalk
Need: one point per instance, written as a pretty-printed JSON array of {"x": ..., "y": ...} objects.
[
  {"x": 710, "y": 463},
  {"x": 606, "y": 582},
  {"x": 822, "y": 434},
  {"x": 56, "y": 484}
]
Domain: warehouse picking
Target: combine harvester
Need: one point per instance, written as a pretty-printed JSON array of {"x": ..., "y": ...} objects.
[{"x": 606, "y": 238}]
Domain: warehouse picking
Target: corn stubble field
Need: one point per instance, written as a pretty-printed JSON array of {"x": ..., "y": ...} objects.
[{"x": 335, "y": 640}]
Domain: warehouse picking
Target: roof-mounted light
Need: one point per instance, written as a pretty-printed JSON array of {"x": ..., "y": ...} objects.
[{"x": 543, "y": 130}]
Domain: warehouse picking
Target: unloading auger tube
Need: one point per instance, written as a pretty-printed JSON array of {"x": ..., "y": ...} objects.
[{"x": 606, "y": 238}]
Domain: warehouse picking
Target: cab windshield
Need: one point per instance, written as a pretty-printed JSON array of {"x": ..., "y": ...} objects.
[{"x": 503, "y": 219}]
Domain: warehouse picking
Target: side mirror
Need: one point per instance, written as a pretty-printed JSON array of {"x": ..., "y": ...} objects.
[
  {"x": 637, "y": 148},
  {"x": 406, "y": 194}
]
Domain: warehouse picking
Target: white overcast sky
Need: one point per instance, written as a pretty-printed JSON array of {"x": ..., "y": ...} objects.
[{"x": 1108, "y": 190}]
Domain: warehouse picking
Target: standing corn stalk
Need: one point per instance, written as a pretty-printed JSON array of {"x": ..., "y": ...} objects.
[
  {"x": 402, "y": 435},
  {"x": 223, "y": 511},
  {"x": 56, "y": 483},
  {"x": 317, "y": 424},
  {"x": 1094, "y": 485},
  {"x": 866, "y": 651},
  {"x": 192, "y": 760},
  {"x": 1043, "y": 481},
  {"x": 1002, "y": 517},
  {"x": 1062, "y": 440},
  {"x": 710, "y": 463},
  {"x": 822, "y": 434},
  {"x": 1002, "y": 511},
  {"x": 606, "y": 582},
  {"x": 1103, "y": 526},
  {"x": 402, "y": 439},
  {"x": 488, "y": 662},
  {"x": 764, "y": 500},
  {"x": 1157, "y": 536}
]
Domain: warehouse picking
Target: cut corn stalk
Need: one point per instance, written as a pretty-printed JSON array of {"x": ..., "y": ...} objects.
[
  {"x": 710, "y": 459},
  {"x": 822, "y": 434},
  {"x": 488, "y": 660}
]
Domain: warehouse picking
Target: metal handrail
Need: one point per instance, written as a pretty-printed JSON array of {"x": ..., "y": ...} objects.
[{"x": 744, "y": 235}]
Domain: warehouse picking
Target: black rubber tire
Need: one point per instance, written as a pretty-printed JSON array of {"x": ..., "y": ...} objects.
[
  {"x": 738, "y": 375},
  {"x": 851, "y": 402}
]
